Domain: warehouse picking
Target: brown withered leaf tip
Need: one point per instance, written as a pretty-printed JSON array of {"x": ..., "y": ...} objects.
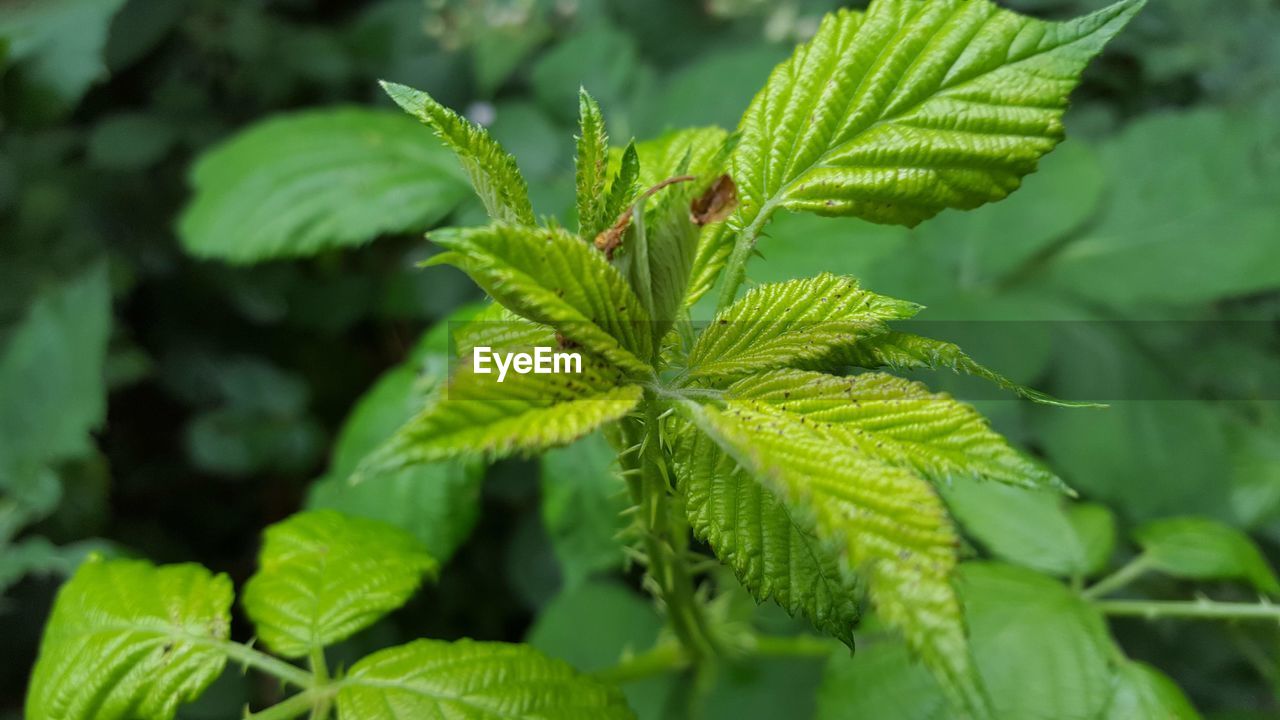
[
  {"x": 609, "y": 239},
  {"x": 716, "y": 203}
]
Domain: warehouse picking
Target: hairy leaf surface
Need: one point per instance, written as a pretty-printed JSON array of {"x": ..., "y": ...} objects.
[
  {"x": 592, "y": 168},
  {"x": 891, "y": 526},
  {"x": 466, "y": 680},
  {"x": 774, "y": 550},
  {"x": 296, "y": 185},
  {"x": 780, "y": 324},
  {"x": 899, "y": 422},
  {"x": 552, "y": 277},
  {"x": 478, "y": 416},
  {"x": 493, "y": 171},
  {"x": 323, "y": 576},
  {"x": 130, "y": 640}
]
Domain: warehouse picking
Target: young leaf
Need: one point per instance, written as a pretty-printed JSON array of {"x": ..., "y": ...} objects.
[
  {"x": 497, "y": 327},
  {"x": 781, "y": 324},
  {"x": 891, "y": 527},
  {"x": 324, "y": 576},
  {"x": 128, "y": 640},
  {"x": 493, "y": 172},
  {"x": 478, "y": 416},
  {"x": 910, "y": 108},
  {"x": 903, "y": 351},
  {"x": 554, "y": 278},
  {"x": 296, "y": 185},
  {"x": 1203, "y": 549},
  {"x": 466, "y": 680},
  {"x": 899, "y": 422},
  {"x": 670, "y": 235},
  {"x": 773, "y": 550},
  {"x": 592, "y": 168}
]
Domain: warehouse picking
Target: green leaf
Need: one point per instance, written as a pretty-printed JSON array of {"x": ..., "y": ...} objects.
[
  {"x": 479, "y": 416},
  {"x": 1149, "y": 243},
  {"x": 1038, "y": 646},
  {"x": 910, "y": 108},
  {"x": 1095, "y": 526},
  {"x": 1141, "y": 691},
  {"x": 1031, "y": 529},
  {"x": 466, "y": 680},
  {"x": 592, "y": 168},
  {"x": 782, "y": 324},
  {"x": 324, "y": 576},
  {"x": 552, "y": 277},
  {"x": 887, "y": 523},
  {"x": 1203, "y": 549},
  {"x": 300, "y": 184},
  {"x": 898, "y": 422},
  {"x": 493, "y": 172},
  {"x": 130, "y": 640},
  {"x": 901, "y": 351},
  {"x": 59, "y": 43},
  {"x": 583, "y": 498},
  {"x": 436, "y": 502},
  {"x": 773, "y": 550},
  {"x": 498, "y": 327}
]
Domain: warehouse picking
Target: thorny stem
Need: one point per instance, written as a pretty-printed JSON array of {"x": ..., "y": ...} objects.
[
  {"x": 248, "y": 656},
  {"x": 666, "y": 534},
  {"x": 1120, "y": 578},
  {"x": 1202, "y": 608}
]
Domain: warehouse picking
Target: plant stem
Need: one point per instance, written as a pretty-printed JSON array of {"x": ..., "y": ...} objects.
[
  {"x": 291, "y": 707},
  {"x": 735, "y": 271},
  {"x": 666, "y": 534},
  {"x": 1120, "y": 578},
  {"x": 320, "y": 669},
  {"x": 670, "y": 657},
  {"x": 1202, "y": 608},
  {"x": 246, "y": 655}
]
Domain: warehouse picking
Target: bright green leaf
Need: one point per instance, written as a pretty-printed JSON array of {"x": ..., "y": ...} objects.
[
  {"x": 899, "y": 422},
  {"x": 128, "y": 640},
  {"x": 782, "y": 324},
  {"x": 493, "y": 172},
  {"x": 772, "y": 549},
  {"x": 912, "y": 107},
  {"x": 466, "y": 680},
  {"x": 890, "y": 527},
  {"x": 553, "y": 277},
  {"x": 1203, "y": 549},
  {"x": 299, "y": 184},
  {"x": 479, "y": 416},
  {"x": 324, "y": 576}
]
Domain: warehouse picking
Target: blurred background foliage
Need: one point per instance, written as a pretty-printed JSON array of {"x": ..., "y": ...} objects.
[{"x": 198, "y": 337}]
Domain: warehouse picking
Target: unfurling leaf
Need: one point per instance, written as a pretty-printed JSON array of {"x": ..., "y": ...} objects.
[
  {"x": 324, "y": 576},
  {"x": 592, "y": 168},
  {"x": 783, "y": 324},
  {"x": 493, "y": 171},
  {"x": 552, "y": 277},
  {"x": 130, "y": 641},
  {"x": 466, "y": 680}
]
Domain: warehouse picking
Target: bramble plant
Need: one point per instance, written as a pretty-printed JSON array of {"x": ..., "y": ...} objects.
[{"x": 772, "y": 434}]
